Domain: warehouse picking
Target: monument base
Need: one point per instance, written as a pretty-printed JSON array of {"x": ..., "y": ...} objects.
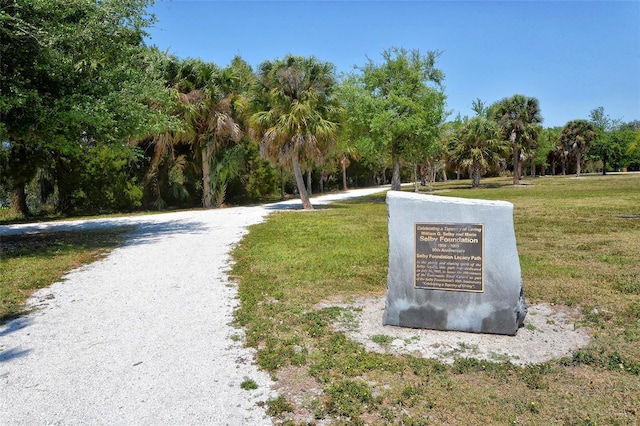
[{"x": 453, "y": 265}]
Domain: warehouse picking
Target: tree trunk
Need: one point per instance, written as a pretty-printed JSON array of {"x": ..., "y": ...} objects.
[
  {"x": 444, "y": 174},
  {"x": 475, "y": 175},
  {"x": 65, "y": 188},
  {"x": 396, "y": 184},
  {"x": 309, "y": 190},
  {"x": 150, "y": 178},
  {"x": 604, "y": 165},
  {"x": 433, "y": 173},
  {"x": 306, "y": 204},
  {"x": 533, "y": 169},
  {"x": 20, "y": 199},
  {"x": 282, "y": 197},
  {"x": 519, "y": 173},
  {"x": 516, "y": 158},
  {"x": 578, "y": 163},
  {"x": 343, "y": 165},
  {"x": 206, "y": 177},
  {"x": 415, "y": 177}
]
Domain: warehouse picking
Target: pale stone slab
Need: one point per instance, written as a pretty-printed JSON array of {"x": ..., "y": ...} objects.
[{"x": 499, "y": 309}]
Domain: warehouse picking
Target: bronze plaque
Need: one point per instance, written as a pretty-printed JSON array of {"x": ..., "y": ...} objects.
[{"x": 449, "y": 256}]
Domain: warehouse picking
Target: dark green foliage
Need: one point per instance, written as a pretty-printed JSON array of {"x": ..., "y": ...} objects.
[
  {"x": 258, "y": 181},
  {"x": 100, "y": 179},
  {"x": 74, "y": 76},
  {"x": 296, "y": 118},
  {"x": 477, "y": 146}
]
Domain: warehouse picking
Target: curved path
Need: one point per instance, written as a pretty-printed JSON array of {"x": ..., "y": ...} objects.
[{"x": 142, "y": 337}]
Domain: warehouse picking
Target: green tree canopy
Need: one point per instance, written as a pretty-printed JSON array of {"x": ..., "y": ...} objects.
[
  {"x": 626, "y": 139},
  {"x": 549, "y": 148},
  {"x": 607, "y": 147},
  {"x": 354, "y": 140},
  {"x": 210, "y": 125},
  {"x": 73, "y": 75},
  {"x": 404, "y": 108}
]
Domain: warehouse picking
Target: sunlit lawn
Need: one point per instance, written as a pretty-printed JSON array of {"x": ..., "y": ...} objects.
[{"x": 579, "y": 245}]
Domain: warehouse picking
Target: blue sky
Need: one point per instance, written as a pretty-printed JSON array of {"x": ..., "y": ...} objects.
[{"x": 573, "y": 56}]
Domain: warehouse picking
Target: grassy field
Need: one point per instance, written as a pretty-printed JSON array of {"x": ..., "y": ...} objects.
[
  {"x": 579, "y": 246},
  {"x": 32, "y": 261}
]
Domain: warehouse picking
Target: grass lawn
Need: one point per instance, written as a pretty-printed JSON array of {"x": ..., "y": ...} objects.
[{"x": 579, "y": 245}]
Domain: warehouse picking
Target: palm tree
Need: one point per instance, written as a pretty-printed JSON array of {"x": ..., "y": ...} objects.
[
  {"x": 165, "y": 137},
  {"x": 297, "y": 117},
  {"x": 210, "y": 126},
  {"x": 346, "y": 152},
  {"x": 520, "y": 119},
  {"x": 478, "y": 146},
  {"x": 162, "y": 145},
  {"x": 575, "y": 137}
]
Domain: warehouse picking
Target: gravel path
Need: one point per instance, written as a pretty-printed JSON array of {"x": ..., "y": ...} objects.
[{"x": 142, "y": 337}]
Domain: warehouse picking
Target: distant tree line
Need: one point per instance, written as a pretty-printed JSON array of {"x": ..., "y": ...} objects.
[{"x": 93, "y": 120}]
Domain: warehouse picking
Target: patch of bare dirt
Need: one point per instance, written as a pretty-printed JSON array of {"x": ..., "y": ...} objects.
[
  {"x": 298, "y": 387},
  {"x": 550, "y": 332}
]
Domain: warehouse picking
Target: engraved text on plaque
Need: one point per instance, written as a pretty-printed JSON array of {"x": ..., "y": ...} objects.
[{"x": 449, "y": 256}]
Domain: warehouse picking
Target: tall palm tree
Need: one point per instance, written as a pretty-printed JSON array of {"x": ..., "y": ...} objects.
[
  {"x": 206, "y": 120},
  {"x": 209, "y": 117},
  {"x": 520, "y": 119},
  {"x": 478, "y": 146},
  {"x": 297, "y": 113},
  {"x": 575, "y": 137}
]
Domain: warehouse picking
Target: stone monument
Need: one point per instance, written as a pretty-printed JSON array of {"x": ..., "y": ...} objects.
[{"x": 453, "y": 265}]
